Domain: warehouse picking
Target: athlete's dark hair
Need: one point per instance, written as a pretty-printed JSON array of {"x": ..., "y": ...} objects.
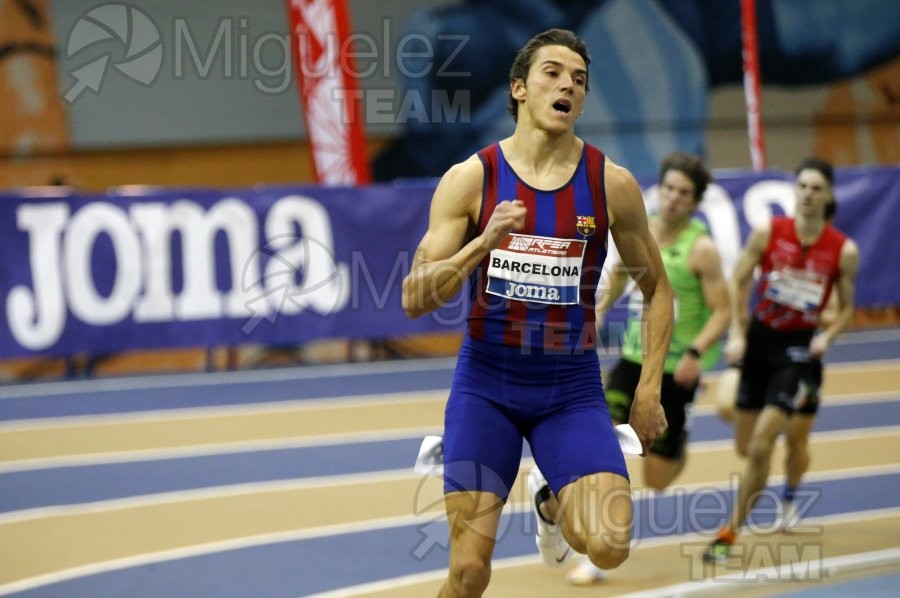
[
  {"x": 830, "y": 209},
  {"x": 525, "y": 56},
  {"x": 814, "y": 163},
  {"x": 692, "y": 167}
]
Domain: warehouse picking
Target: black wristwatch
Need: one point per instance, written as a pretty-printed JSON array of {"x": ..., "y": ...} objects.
[{"x": 693, "y": 352}]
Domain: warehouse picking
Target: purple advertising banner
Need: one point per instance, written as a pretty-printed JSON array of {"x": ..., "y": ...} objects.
[{"x": 284, "y": 266}]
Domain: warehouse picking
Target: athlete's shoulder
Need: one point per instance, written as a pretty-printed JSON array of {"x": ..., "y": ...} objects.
[
  {"x": 780, "y": 223},
  {"x": 698, "y": 226},
  {"x": 624, "y": 199},
  {"x": 835, "y": 233},
  {"x": 468, "y": 173},
  {"x": 590, "y": 149},
  {"x": 618, "y": 177}
]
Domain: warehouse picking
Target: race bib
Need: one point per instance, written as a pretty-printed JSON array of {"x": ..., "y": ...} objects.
[
  {"x": 537, "y": 269},
  {"x": 797, "y": 289}
]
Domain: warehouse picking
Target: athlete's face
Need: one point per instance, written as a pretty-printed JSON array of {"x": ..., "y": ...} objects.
[
  {"x": 555, "y": 88},
  {"x": 812, "y": 191},
  {"x": 677, "y": 201}
]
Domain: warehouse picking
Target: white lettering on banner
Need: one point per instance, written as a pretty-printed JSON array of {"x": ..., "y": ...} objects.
[
  {"x": 197, "y": 228},
  {"x": 82, "y": 233},
  {"x": 760, "y": 197},
  {"x": 200, "y": 299},
  {"x": 721, "y": 215},
  {"x": 61, "y": 248},
  {"x": 37, "y": 317},
  {"x": 326, "y": 284}
]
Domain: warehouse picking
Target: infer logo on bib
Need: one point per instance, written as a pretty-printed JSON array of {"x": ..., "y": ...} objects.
[{"x": 538, "y": 269}]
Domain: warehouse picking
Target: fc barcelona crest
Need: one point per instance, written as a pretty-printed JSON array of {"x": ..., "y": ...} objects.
[{"x": 585, "y": 225}]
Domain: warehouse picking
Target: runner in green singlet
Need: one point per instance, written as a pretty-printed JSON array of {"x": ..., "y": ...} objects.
[{"x": 702, "y": 312}]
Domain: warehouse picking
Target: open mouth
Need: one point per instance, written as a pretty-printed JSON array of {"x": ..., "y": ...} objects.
[{"x": 563, "y": 106}]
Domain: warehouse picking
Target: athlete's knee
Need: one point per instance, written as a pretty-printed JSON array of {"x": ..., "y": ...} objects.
[
  {"x": 796, "y": 444},
  {"x": 759, "y": 451},
  {"x": 660, "y": 471},
  {"x": 725, "y": 413},
  {"x": 658, "y": 480},
  {"x": 609, "y": 550},
  {"x": 470, "y": 574}
]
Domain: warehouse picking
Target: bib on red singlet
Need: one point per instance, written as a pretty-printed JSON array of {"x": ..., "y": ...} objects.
[{"x": 798, "y": 289}]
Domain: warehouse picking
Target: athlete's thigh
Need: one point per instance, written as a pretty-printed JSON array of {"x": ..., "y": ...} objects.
[
  {"x": 575, "y": 441},
  {"x": 482, "y": 445},
  {"x": 810, "y": 395},
  {"x": 785, "y": 388},
  {"x": 751, "y": 391},
  {"x": 744, "y": 423}
]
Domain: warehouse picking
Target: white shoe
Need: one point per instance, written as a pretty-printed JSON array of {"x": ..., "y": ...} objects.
[
  {"x": 553, "y": 547},
  {"x": 585, "y": 573},
  {"x": 789, "y": 516}
]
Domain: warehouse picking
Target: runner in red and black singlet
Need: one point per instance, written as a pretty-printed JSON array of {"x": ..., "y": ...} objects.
[{"x": 801, "y": 259}]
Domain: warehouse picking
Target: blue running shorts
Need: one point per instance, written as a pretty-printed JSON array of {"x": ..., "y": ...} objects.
[{"x": 501, "y": 395}]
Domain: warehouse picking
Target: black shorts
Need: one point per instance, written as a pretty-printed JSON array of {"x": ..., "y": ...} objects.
[
  {"x": 777, "y": 369},
  {"x": 676, "y": 403}
]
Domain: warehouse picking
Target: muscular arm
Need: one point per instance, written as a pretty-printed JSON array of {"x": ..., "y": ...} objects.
[
  {"x": 845, "y": 288},
  {"x": 445, "y": 258},
  {"x": 640, "y": 255},
  {"x": 739, "y": 289},
  {"x": 618, "y": 279},
  {"x": 707, "y": 266}
]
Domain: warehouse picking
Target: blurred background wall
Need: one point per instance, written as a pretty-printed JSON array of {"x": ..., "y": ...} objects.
[
  {"x": 99, "y": 94},
  {"x": 222, "y": 107}
]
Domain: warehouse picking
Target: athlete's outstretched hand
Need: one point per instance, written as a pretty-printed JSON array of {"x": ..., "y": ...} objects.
[
  {"x": 647, "y": 416},
  {"x": 735, "y": 349}
]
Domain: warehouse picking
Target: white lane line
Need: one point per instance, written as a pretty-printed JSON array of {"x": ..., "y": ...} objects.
[
  {"x": 336, "y": 403},
  {"x": 223, "y": 449},
  {"x": 295, "y": 484},
  {"x": 246, "y": 446},
  {"x": 207, "y": 493},
  {"x": 343, "y": 370},
  {"x": 208, "y": 548},
  {"x": 217, "y": 411},
  {"x": 793, "y": 571},
  {"x": 309, "y": 533},
  {"x": 864, "y": 337},
  {"x": 73, "y": 387},
  {"x": 844, "y": 563}
]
